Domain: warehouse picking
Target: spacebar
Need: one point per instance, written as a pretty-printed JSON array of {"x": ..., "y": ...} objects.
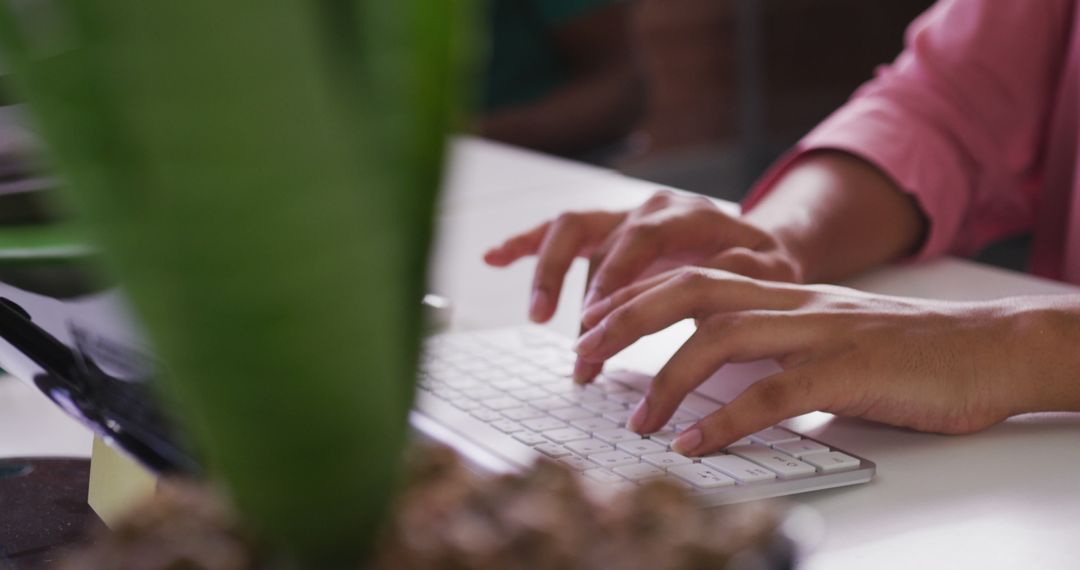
[{"x": 474, "y": 432}]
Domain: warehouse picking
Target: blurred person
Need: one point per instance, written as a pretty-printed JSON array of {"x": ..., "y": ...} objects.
[
  {"x": 971, "y": 135},
  {"x": 561, "y": 76}
]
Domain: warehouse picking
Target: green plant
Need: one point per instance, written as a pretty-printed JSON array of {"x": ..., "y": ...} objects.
[{"x": 262, "y": 178}]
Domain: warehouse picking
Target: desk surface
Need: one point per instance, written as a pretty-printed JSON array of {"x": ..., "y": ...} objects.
[{"x": 1005, "y": 498}]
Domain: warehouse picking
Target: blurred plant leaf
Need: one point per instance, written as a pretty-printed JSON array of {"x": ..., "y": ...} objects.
[{"x": 262, "y": 177}]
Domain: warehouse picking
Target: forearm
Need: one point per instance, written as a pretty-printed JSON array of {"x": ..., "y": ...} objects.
[
  {"x": 838, "y": 216},
  {"x": 579, "y": 116}
]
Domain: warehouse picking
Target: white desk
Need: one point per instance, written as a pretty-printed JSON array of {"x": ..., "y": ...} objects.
[{"x": 1005, "y": 498}]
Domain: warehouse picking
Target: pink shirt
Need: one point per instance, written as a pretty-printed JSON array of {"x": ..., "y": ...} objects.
[{"x": 978, "y": 118}]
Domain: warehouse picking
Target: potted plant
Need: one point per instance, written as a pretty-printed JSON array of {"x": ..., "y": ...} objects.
[{"x": 261, "y": 178}]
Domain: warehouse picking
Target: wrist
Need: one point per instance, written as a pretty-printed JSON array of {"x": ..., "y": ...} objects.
[
  {"x": 1043, "y": 363},
  {"x": 783, "y": 244}
]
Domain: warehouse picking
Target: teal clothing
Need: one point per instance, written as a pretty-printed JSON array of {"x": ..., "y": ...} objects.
[{"x": 523, "y": 62}]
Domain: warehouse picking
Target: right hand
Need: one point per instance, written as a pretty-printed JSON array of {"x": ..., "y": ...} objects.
[{"x": 669, "y": 230}]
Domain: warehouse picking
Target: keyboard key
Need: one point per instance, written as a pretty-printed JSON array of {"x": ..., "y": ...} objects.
[
  {"x": 506, "y": 426},
  {"x": 666, "y": 459},
  {"x": 520, "y": 368},
  {"x": 461, "y": 382},
  {"x": 683, "y": 416},
  {"x": 608, "y": 386},
  {"x": 509, "y": 384},
  {"x": 589, "y": 446},
  {"x": 629, "y": 397},
  {"x": 671, "y": 480},
  {"x": 801, "y": 448},
  {"x": 784, "y": 465},
  {"x": 572, "y": 413},
  {"x": 552, "y": 450},
  {"x": 699, "y": 405},
  {"x": 445, "y": 392},
  {"x": 502, "y": 403},
  {"x": 530, "y": 437},
  {"x": 614, "y": 458},
  {"x": 581, "y": 397},
  {"x": 551, "y": 403},
  {"x": 566, "y": 388},
  {"x": 522, "y": 413},
  {"x": 642, "y": 447},
  {"x": 563, "y": 435},
  {"x": 485, "y": 415},
  {"x": 639, "y": 471},
  {"x": 529, "y": 394},
  {"x": 465, "y": 404},
  {"x": 577, "y": 463},
  {"x": 619, "y": 417},
  {"x": 566, "y": 371},
  {"x": 742, "y": 470},
  {"x": 594, "y": 424},
  {"x": 616, "y": 435},
  {"x": 481, "y": 392},
  {"x": 664, "y": 437},
  {"x": 773, "y": 436},
  {"x": 832, "y": 461},
  {"x": 542, "y": 377},
  {"x": 701, "y": 476},
  {"x": 543, "y": 424},
  {"x": 603, "y": 476},
  {"x": 603, "y": 406}
]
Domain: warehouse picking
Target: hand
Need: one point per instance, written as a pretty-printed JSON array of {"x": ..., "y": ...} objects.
[
  {"x": 669, "y": 230},
  {"x": 931, "y": 366}
]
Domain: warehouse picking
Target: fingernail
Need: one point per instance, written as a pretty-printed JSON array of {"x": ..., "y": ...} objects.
[
  {"x": 540, "y": 306},
  {"x": 586, "y": 371},
  {"x": 688, "y": 441},
  {"x": 590, "y": 341},
  {"x": 594, "y": 312},
  {"x": 637, "y": 419}
]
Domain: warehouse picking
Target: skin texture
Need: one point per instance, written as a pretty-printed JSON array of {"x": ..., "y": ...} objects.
[
  {"x": 926, "y": 365},
  {"x": 597, "y": 105}
]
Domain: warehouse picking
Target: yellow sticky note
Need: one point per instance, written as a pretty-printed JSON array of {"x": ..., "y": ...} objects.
[{"x": 117, "y": 483}]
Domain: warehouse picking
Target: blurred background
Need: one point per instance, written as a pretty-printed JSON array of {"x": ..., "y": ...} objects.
[{"x": 699, "y": 94}]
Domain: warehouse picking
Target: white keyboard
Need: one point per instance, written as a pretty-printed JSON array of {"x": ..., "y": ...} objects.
[{"x": 504, "y": 399}]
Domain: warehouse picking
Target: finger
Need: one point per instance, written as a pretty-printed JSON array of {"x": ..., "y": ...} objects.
[
  {"x": 764, "y": 404},
  {"x": 750, "y": 263},
  {"x": 746, "y": 337},
  {"x": 690, "y": 293},
  {"x": 602, "y": 308},
  {"x": 518, "y": 246},
  {"x": 585, "y": 371},
  {"x": 596, "y": 260},
  {"x": 570, "y": 235},
  {"x": 741, "y": 261},
  {"x": 654, "y": 238},
  {"x": 660, "y": 200}
]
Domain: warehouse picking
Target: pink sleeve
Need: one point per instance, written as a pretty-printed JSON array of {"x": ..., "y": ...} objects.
[{"x": 959, "y": 117}]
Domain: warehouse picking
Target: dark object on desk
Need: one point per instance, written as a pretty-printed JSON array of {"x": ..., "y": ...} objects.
[
  {"x": 44, "y": 512},
  {"x": 123, "y": 409}
]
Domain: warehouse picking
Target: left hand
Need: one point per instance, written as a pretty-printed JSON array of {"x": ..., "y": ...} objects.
[{"x": 926, "y": 365}]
